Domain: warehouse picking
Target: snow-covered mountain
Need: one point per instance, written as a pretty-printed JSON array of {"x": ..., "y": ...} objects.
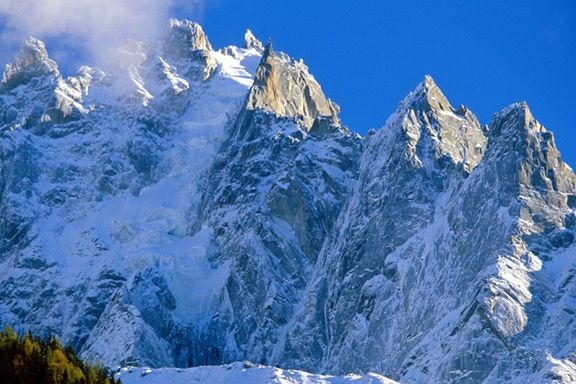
[{"x": 191, "y": 206}]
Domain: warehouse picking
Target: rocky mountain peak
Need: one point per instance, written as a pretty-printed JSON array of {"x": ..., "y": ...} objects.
[
  {"x": 428, "y": 95},
  {"x": 514, "y": 129},
  {"x": 284, "y": 86},
  {"x": 432, "y": 131},
  {"x": 142, "y": 227},
  {"x": 32, "y": 61},
  {"x": 188, "y": 49},
  {"x": 250, "y": 41},
  {"x": 263, "y": 93},
  {"x": 513, "y": 119},
  {"x": 517, "y": 138},
  {"x": 184, "y": 37}
]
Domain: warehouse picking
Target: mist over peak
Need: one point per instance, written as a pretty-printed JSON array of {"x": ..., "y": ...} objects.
[{"x": 85, "y": 31}]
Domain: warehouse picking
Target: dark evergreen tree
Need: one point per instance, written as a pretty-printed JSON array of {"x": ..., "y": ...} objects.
[{"x": 30, "y": 360}]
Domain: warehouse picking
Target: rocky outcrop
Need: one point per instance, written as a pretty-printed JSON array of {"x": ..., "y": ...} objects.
[
  {"x": 187, "y": 45},
  {"x": 251, "y": 42},
  {"x": 72, "y": 198},
  {"x": 32, "y": 62},
  {"x": 284, "y": 87},
  {"x": 362, "y": 286},
  {"x": 49, "y": 98}
]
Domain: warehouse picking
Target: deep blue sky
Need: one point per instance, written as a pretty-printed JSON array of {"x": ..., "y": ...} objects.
[{"x": 368, "y": 54}]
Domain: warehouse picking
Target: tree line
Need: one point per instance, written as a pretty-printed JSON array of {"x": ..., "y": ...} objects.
[{"x": 31, "y": 360}]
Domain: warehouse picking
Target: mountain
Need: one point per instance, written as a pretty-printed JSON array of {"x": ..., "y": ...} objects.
[
  {"x": 190, "y": 206},
  {"x": 448, "y": 262}
]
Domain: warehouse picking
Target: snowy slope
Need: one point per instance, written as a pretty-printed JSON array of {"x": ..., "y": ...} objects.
[
  {"x": 94, "y": 201},
  {"x": 240, "y": 373}
]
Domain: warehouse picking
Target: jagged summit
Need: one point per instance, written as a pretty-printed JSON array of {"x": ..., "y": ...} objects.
[
  {"x": 185, "y": 36},
  {"x": 250, "y": 41},
  {"x": 32, "y": 61},
  {"x": 43, "y": 96},
  {"x": 515, "y": 127},
  {"x": 519, "y": 112},
  {"x": 516, "y": 138},
  {"x": 431, "y": 131},
  {"x": 187, "y": 45},
  {"x": 285, "y": 87},
  {"x": 427, "y": 95}
]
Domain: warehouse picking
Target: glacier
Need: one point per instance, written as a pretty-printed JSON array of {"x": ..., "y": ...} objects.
[{"x": 193, "y": 206}]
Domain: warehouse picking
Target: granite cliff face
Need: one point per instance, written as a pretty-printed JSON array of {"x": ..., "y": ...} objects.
[
  {"x": 432, "y": 274},
  {"x": 284, "y": 87},
  {"x": 195, "y": 206},
  {"x": 271, "y": 196}
]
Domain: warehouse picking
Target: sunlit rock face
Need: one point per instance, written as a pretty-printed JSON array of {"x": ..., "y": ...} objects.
[
  {"x": 193, "y": 206},
  {"x": 284, "y": 87},
  {"x": 31, "y": 62}
]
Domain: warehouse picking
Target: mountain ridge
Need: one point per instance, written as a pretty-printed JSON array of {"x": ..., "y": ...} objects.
[{"x": 203, "y": 206}]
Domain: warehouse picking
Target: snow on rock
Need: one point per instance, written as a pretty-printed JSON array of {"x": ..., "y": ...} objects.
[
  {"x": 191, "y": 206},
  {"x": 250, "y": 41},
  {"x": 96, "y": 199},
  {"x": 188, "y": 47},
  {"x": 271, "y": 196},
  {"x": 436, "y": 269},
  {"x": 32, "y": 61}
]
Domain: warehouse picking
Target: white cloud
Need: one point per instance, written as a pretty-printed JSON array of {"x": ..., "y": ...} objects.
[{"x": 87, "y": 29}]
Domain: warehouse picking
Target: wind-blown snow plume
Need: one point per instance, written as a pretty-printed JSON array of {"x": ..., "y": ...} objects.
[{"x": 86, "y": 29}]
